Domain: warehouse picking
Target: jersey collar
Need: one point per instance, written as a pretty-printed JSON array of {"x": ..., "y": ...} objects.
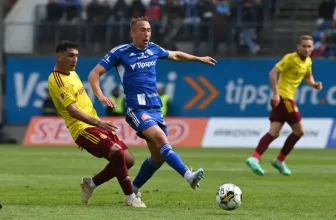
[
  {"x": 63, "y": 73},
  {"x": 139, "y": 48}
]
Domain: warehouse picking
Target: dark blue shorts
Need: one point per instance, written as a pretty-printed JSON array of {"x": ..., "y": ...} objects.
[{"x": 142, "y": 119}]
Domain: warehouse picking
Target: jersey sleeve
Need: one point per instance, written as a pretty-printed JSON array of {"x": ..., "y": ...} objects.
[
  {"x": 161, "y": 53},
  {"x": 110, "y": 60},
  {"x": 284, "y": 63},
  {"x": 61, "y": 90}
]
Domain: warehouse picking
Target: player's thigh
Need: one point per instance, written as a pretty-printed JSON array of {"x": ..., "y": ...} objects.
[
  {"x": 128, "y": 155},
  {"x": 139, "y": 120},
  {"x": 145, "y": 122},
  {"x": 278, "y": 113},
  {"x": 160, "y": 121},
  {"x": 275, "y": 128},
  {"x": 97, "y": 142},
  {"x": 155, "y": 153},
  {"x": 156, "y": 135},
  {"x": 298, "y": 128},
  {"x": 294, "y": 118}
]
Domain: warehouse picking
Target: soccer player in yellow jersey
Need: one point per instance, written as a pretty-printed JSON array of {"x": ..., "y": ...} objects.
[
  {"x": 87, "y": 130},
  {"x": 292, "y": 69}
]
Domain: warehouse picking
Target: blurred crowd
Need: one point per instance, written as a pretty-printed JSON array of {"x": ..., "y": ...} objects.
[
  {"x": 105, "y": 22},
  {"x": 325, "y": 35}
]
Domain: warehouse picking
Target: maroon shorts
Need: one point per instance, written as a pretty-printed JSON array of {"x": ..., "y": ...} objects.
[
  {"x": 98, "y": 142},
  {"x": 286, "y": 111}
]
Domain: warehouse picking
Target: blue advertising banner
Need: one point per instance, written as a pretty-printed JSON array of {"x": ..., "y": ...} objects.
[{"x": 234, "y": 87}]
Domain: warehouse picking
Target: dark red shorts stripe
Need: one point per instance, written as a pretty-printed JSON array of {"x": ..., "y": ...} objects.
[{"x": 98, "y": 141}]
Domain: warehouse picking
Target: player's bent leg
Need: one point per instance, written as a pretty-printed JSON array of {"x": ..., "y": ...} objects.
[
  {"x": 88, "y": 185},
  {"x": 116, "y": 156},
  {"x": 292, "y": 139},
  {"x": 265, "y": 141},
  {"x": 156, "y": 135}
]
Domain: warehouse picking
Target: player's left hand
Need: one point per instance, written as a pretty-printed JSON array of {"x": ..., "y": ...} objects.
[
  {"x": 208, "y": 60},
  {"x": 318, "y": 85},
  {"x": 108, "y": 101}
]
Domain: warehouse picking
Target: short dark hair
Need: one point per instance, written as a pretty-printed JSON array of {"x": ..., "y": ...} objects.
[
  {"x": 64, "y": 45},
  {"x": 135, "y": 20},
  {"x": 304, "y": 37}
]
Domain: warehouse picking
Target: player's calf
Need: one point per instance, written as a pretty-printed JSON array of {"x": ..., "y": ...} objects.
[{"x": 157, "y": 136}]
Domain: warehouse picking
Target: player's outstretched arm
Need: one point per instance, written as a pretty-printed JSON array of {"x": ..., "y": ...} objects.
[
  {"x": 94, "y": 79},
  {"x": 309, "y": 79},
  {"x": 180, "y": 56},
  {"x": 79, "y": 115}
]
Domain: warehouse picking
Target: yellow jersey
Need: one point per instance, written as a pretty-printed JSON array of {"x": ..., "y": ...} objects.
[
  {"x": 292, "y": 71},
  {"x": 65, "y": 89}
]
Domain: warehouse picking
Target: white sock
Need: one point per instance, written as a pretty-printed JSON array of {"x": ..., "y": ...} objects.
[
  {"x": 188, "y": 176},
  {"x": 92, "y": 184},
  {"x": 132, "y": 196},
  {"x": 135, "y": 189}
]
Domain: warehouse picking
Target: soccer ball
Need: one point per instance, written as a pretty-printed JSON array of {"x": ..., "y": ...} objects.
[{"x": 229, "y": 196}]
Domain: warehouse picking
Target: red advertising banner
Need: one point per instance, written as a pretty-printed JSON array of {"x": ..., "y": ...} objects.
[{"x": 51, "y": 131}]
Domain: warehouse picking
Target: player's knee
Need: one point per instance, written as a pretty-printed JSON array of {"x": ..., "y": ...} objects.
[
  {"x": 114, "y": 148},
  {"x": 274, "y": 134},
  {"x": 160, "y": 138},
  {"x": 129, "y": 162},
  {"x": 299, "y": 133}
]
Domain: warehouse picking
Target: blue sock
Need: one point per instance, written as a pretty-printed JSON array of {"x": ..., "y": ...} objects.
[
  {"x": 147, "y": 169},
  {"x": 173, "y": 159}
]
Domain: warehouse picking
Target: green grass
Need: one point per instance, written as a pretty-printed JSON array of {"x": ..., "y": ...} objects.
[{"x": 43, "y": 183}]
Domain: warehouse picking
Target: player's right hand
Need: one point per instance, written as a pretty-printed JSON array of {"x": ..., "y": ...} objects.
[
  {"x": 108, "y": 101},
  {"x": 275, "y": 100},
  {"x": 107, "y": 125}
]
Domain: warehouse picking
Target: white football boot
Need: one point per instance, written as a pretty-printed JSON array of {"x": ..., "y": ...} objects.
[{"x": 87, "y": 190}]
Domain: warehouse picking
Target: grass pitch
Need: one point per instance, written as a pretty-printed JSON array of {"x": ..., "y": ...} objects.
[{"x": 43, "y": 183}]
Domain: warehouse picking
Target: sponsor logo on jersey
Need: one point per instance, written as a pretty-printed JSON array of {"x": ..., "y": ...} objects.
[
  {"x": 142, "y": 56},
  {"x": 141, "y": 65}
]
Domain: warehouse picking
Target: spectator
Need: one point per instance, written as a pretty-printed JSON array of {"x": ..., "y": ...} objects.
[
  {"x": 223, "y": 8},
  {"x": 328, "y": 40},
  {"x": 153, "y": 11},
  {"x": 249, "y": 27},
  {"x": 120, "y": 11},
  {"x": 326, "y": 11},
  {"x": 97, "y": 16},
  {"x": 54, "y": 11},
  {"x": 137, "y": 9},
  {"x": 71, "y": 11},
  {"x": 172, "y": 22},
  {"x": 259, "y": 16},
  {"x": 94, "y": 11},
  {"x": 164, "y": 98}
]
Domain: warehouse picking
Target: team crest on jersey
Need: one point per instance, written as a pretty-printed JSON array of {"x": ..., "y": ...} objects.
[
  {"x": 149, "y": 52},
  {"x": 102, "y": 136},
  {"x": 144, "y": 117}
]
